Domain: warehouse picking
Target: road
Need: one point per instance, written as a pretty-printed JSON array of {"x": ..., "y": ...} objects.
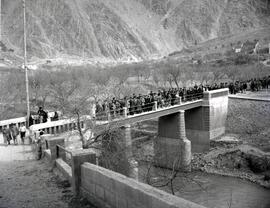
[{"x": 28, "y": 183}]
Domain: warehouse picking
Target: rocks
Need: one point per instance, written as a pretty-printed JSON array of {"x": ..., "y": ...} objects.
[
  {"x": 258, "y": 164},
  {"x": 242, "y": 161},
  {"x": 226, "y": 141},
  {"x": 267, "y": 176}
]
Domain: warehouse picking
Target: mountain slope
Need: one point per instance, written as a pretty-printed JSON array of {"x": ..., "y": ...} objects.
[{"x": 126, "y": 30}]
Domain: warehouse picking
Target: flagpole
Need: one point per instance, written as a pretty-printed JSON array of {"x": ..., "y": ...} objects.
[{"x": 25, "y": 64}]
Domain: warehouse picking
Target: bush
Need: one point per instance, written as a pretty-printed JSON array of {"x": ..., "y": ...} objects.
[{"x": 242, "y": 59}]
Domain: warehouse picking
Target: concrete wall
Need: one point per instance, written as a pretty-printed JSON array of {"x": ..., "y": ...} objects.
[
  {"x": 105, "y": 188},
  {"x": 64, "y": 168}
]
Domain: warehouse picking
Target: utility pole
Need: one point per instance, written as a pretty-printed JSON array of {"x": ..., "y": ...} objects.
[
  {"x": 25, "y": 63},
  {"x": 0, "y": 20}
]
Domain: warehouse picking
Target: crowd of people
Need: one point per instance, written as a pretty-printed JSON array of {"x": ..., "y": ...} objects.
[
  {"x": 42, "y": 117},
  {"x": 136, "y": 104},
  {"x": 252, "y": 85},
  {"x": 12, "y": 133}
]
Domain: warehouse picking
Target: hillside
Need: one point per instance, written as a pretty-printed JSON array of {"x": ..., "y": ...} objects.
[{"x": 124, "y": 30}]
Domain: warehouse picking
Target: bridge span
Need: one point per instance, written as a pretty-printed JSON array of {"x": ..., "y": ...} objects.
[{"x": 182, "y": 128}]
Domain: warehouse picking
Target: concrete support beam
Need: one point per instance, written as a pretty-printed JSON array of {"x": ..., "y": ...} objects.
[{"x": 77, "y": 160}]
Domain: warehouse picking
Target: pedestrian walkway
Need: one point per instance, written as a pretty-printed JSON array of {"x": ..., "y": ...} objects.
[
  {"x": 15, "y": 152},
  {"x": 28, "y": 183}
]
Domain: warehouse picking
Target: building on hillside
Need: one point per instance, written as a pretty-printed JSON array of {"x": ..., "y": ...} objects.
[
  {"x": 238, "y": 47},
  {"x": 249, "y": 46}
]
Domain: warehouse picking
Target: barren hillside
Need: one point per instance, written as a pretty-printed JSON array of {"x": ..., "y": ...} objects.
[{"x": 125, "y": 30}]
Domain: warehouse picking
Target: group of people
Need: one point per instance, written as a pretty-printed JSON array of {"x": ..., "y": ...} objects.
[
  {"x": 12, "y": 133},
  {"x": 252, "y": 85},
  {"x": 136, "y": 104},
  {"x": 42, "y": 117}
]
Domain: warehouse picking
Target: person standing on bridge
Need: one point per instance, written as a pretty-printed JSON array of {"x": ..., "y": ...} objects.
[
  {"x": 14, "y": 133},
  {"x": 6, "y": 135},
  {"x": 22, "y": 130}
]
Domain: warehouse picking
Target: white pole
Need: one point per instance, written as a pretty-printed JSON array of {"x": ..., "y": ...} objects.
[
  {"x": 0, "y": 20},
  {"x": 25, "y": 63}
]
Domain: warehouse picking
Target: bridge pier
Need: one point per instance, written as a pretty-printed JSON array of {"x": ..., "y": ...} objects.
[
  {"x": 172, "y": 148},
  {"x": 208, "y": 121},
  {"x": 133, "y": 171}
]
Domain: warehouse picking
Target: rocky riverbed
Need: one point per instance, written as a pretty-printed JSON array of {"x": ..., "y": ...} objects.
[{"x": 241, "y": 161}]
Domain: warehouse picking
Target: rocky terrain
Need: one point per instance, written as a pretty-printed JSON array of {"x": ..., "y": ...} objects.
[{"x": 124, "y": 30}]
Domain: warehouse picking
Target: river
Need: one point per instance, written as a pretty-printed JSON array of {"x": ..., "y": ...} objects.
[
  {"x": 220, "y": 191},
  {"x": 214, "y": 191}
]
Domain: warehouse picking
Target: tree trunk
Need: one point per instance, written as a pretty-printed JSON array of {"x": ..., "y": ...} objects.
[{"x": 84, "y": 143}]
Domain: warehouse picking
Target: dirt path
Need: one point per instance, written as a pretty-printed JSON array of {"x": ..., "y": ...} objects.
[{"x": 28, "y": 183}]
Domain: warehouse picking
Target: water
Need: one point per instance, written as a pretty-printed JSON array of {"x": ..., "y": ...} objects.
[{"x": 220, "y": 192}]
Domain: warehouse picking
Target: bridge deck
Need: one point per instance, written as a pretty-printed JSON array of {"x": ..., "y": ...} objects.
[{"x": 131, "y": 119}]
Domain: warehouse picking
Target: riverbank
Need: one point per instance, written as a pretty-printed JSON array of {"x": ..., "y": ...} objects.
[
  {"x": 242, "y": 161},
  {"x": 249, "y": 120}
]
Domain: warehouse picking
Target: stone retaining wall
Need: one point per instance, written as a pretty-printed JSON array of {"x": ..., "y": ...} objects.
[{"x": 106, "y": 188}]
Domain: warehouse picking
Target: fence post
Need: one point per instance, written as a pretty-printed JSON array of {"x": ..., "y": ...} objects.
[
  {"x": 77, "y": 159},
  {"x": 125, "y": 111},
  {"x": 155, "y": 106},
  {"x": 109, "y": 115}
]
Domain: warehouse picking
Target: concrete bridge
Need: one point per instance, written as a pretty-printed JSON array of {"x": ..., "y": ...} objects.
[{"x": 183, "y": 128}]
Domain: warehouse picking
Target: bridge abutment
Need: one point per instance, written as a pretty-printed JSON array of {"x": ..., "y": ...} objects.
[
  {"x": 191, "y": 130},
  {"x": 208, "y": 121},
  {"x": 172, "y": 148}
]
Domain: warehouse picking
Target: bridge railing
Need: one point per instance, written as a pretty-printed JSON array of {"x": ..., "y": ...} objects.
[
  {"x": 22, "y": 120},
  {"x": 61, "y": 126},
  {"x": 122, "y": 112},
  {"x": 57, "y": 127},
  {"x": 17, "y": 121}
]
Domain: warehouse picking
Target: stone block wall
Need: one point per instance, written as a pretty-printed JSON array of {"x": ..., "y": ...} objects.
[{"x": 109, "y": 189}]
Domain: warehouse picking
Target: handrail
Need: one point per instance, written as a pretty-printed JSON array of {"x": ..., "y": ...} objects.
[{"x": 62, "y": 148}]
